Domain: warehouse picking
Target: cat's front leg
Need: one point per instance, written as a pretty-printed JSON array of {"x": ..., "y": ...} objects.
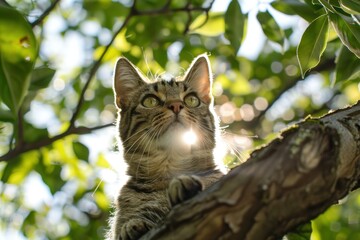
[
  {"x": 183, "y": 187},
  {"x": 134, "y": 229}
]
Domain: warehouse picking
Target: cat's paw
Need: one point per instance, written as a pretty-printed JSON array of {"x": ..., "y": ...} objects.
[
  {"x": 134, "y": 229},
  {"x": 182, "y": 188}
]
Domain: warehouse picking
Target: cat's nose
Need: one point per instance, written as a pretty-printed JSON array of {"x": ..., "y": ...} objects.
[{"x": 176, "y": 106}]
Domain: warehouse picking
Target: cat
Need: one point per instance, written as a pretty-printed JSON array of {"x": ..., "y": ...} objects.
[{"x": 164, "y": 168}]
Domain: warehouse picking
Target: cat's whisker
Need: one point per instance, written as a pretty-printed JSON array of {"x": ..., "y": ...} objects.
[
  {"x": 141, "y": 158},
  {"x": 233, "y": 148},
  {"x": 153, "y": 134},
  {"x": 134, "y": 135},
  {"x": 147, "y": 145},
  {"x": 141, "y": 138},
  {"x": 193, "y": 119},
  {"x": 238, "y": 153},
  {"x": 156, "y": 136}
]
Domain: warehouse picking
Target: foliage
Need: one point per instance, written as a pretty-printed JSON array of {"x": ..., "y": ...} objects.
[{"x": 55, "y": 85}]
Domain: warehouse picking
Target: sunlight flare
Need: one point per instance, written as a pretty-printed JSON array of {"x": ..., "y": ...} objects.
[{"x": 189, "y": 137}]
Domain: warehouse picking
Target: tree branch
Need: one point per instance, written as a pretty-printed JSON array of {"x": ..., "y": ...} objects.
[
  {"x": 93, "y": 70},
  {"x": 45, "y": 13},
  {"x": 20, "y": 127},
  {"x": 290, "y": 83},
  {"x": 3, "y": 2},
  {"x": 307, "y": 169},
  {"x": 25, "y": 147},
  {"x": 166, "y": 10}
]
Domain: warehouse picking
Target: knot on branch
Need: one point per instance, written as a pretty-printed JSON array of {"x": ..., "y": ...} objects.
[{"x": 311, "y": 145}]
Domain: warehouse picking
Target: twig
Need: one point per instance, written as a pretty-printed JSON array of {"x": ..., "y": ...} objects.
[
  {"x": 207, "y": 9},
  {"x": 3, "y": 2},
  {"x": 94, "y": 70},
  {"x": 25, "y": 147},
  {"x": 45, "y": 13},
  {"x": 326, "y": 65},
  {"x": 189, "y": 20},
  {"x": 20, "y": 128},
  {"x": 166, "y": 10}
]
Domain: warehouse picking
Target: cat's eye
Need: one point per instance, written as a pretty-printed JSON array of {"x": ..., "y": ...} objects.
[
  {"x": 150, "y": 101},
  {"x": 192, "y": 101}
]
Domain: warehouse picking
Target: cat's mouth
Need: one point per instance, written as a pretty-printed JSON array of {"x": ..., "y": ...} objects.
[
  {"x": 178, "y": 133},
  {"x": 177, "y": 121},
  {"x": 176, "y": 125}
]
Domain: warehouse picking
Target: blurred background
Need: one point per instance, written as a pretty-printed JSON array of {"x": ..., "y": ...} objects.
[{"x": 64, "y": 188}]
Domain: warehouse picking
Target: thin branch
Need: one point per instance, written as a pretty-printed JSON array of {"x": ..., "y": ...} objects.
[
  {"x": 94, "y": 70},
  {"x": 25, "y": 147},
  {"x": 45, "y": 13},
  {"x": 188, "y": 23},
  {"x": 165, "y": 10},
  {"x": 326, "y": 65},
  {"x": 3, "y": 2},
  {"x": 20, "y": 127},
  {"x": 207, "y": 9}
]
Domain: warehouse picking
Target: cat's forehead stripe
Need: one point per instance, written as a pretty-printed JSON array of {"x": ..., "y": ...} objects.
[
  {"x": 167, "y": 84},
  {"x": 155, "y": 87}
]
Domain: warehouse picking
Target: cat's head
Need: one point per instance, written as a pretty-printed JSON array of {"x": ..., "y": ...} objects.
[{"x": 159, "y": 113}]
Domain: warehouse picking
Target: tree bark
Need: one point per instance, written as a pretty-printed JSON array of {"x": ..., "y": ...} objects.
[{"x": 282, "y": 185}]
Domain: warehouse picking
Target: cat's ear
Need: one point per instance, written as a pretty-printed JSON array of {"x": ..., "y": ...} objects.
[
  {"x": 199, "y": 77},
  {"x": 127, "y": 79}
]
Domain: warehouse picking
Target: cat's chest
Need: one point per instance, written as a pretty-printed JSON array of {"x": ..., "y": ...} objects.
[{"x": 174, "y": 163}]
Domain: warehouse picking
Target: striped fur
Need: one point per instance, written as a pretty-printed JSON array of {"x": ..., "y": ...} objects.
[{"x": 163, "y": 169}]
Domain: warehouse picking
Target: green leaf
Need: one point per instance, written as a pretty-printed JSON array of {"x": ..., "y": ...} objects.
[
  {"x": 235, "y": 22},
  {"x": 350, "y": 6},
  {"x": 102, "y": 162},
  {"x": 6, "y": 116},
  {"x": 327, "y": 5},
  {"x": 18, "y": 52},
  {"x": 160, "y": 56},
  {"x": 41, "y": 78},
  {"x": 347, "y": 66},
  {"x": 105, "y": 12},
  {"x": 33, "y": 134},
  {"x": 312, "y": 44},
  {"x": 348, "y": 31},
  {"x": 27, "y": 102},
  {"x": 101, "y": 200},
  {"x": 51, "y": 175},
  {"x": 150, "y": 4},
  {"x": 334, "y": 3},
  {"x": 17, "y": 169},
  {"x": 10, "y": 166},
  {"x": 294, "y": 7},
  {"x": 303, "y": 232},
  {"x": 270, "y": 27},
  {"x": 81, "y": 151},
  {"x": 213, "y": 26}
]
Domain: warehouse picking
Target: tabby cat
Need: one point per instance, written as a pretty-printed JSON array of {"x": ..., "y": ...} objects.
[{"x": 164, "y": 169}]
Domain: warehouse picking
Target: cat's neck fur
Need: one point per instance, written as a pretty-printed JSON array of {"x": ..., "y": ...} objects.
[{"x": 164, "y": 164}]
